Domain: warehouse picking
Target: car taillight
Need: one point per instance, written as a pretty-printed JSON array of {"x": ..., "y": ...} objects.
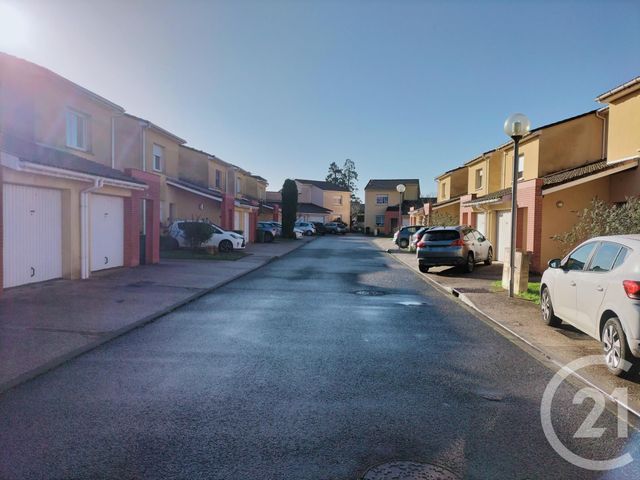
[
  {"x": 421, "y": 244},
  {"x": 632, "y": 289},
  {"x": 457, "y": 243}
]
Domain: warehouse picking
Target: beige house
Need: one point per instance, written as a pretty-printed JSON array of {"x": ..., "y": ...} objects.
[
  {"x": 58, "y": 175},
  {"x": 334, "y": 201},
  {"x": 451, "y": 185},
  {"x": 381, "y": 200}
]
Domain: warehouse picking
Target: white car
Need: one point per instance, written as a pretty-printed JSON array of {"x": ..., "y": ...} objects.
[
  {"x": 306, "y": 227},
  {"x": 223, "y": 240},
  {"x": 596, "y": 288}
]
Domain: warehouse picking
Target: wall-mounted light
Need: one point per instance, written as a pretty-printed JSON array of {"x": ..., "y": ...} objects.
[{"x": 559, "y": 204}]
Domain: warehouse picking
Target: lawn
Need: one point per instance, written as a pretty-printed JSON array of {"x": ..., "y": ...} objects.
[
  {"x": 532, "y": 294},
  {"x": 187, "y": 254}
]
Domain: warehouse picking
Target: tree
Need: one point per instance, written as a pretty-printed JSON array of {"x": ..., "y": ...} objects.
[
  {"x": 601, "y": 218},
  {"x": 196, "y": 233},
  {"x": 350, "y": 177},
  {"x": 443, "y": 219},
  {"x": 335, "y": 174},
  {"x": 289, "y": 207}
]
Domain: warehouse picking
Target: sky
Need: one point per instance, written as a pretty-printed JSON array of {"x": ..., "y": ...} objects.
[{"x": 406, "y": 89}]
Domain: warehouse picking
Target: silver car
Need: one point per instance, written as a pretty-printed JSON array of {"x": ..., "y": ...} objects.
[
  {"x": 596, "y": 288},
  {"x": 456, "y": 246}
]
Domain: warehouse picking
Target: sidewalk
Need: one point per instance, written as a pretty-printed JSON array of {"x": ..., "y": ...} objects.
[
  {"x": 43, "y": 325},
  {"x": 520, "y": 318}
]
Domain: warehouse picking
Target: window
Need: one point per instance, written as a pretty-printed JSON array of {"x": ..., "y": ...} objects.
[
  {"x": 337, "y": 200},
  {"x": 441, "y": 235},
  {"x": 604, "y": 257},
  {"x": 479, "y": 175},
  {"x": 77, "y": 130},
  {"x": 158, "y": 153},
  {"x": 382, "y": 200},
  {"x": 218, "y": 179},
  {"x": 238, "y": 185},
  {"x": 578, "y": 259},
  {"x": 621, "y": 256},
  {"x": 520, "y": 166},
  {"x": 443, "y": 189},
  {"x": 379, "y": 220}
]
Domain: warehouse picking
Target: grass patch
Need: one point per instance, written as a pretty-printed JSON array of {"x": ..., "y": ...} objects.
[
  {"x": 532, "y": 294},
  {"x": 186, "y": 254}
]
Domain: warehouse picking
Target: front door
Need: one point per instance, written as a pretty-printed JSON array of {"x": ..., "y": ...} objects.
[
  {"x": 107, "y": 232},
  {"x": 481, "y": 223},
  {"x": 503, "y": 235}
]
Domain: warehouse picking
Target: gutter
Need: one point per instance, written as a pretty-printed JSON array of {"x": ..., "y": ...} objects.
[
  {"x": 84, "y": 226},
  {"x": 603, "y": 152}
]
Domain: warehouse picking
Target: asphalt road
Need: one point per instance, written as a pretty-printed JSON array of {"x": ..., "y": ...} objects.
[{"x": 289, "y": 374}]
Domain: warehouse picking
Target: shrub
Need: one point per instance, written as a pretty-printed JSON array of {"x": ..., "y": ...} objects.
[
  {"x": 443, "y": 219},
  {"x": 601, "y": 218},
  {"x": 196, "y": 233}
]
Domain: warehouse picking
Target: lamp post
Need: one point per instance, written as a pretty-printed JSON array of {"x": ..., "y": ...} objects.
[
  {"x": 400, "y": 188},
  {"x": 516, "y": 126}
]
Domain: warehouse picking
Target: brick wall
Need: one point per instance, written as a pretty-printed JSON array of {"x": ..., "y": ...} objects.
[
  {"x": 132, "y": 219},
  {"x": 467, "y": 217},
  {"x": 530, "y": 198}
]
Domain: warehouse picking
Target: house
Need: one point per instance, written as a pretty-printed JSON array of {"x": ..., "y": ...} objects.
[
  {"x": 59, "y": 180},
  {"x": 334, "y": 201},
  {"x": 561, "y": 166},
  {"x": 381, "y": 200},
  {"x": 420, "y": 213},
  {"x": 450, "y": 187}
]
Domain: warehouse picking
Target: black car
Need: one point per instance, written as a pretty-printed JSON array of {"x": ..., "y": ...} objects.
[{"x": 320, "y": 229}]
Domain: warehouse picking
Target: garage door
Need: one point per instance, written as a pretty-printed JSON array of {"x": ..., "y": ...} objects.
[
  {"x": 107, "y": 232},
  {"x": 503, "y": 235},
  {"x": 32, "y": 234},
  {"x": 481, "y": 223}
]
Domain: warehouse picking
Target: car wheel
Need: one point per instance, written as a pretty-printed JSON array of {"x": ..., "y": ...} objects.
[
  {"x": 403, "y": 243},
  {"x": 489, "y": 259},
  {"x": 471, "y": 263},
  {"x": 308, "y": 233},
  {"x": 548, "y": 315},
  {"x": 423, "y": 268},
  {"x": 616, "y": 350},
  {"x": 225, "y": 246},
  {"x": 268, "y": 237}
]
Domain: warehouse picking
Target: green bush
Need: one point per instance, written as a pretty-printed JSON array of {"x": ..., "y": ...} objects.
[
  {"x": 196, "y": 233},
  {"x": 443, "y": 219},
  {"x": 601, "y": 218}
]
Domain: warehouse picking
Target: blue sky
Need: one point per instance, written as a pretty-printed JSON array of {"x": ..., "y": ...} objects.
[{"x": 283, "y": 88}]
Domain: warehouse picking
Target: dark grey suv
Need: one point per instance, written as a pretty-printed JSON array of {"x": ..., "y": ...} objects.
[{"x": 455, "y": 246}]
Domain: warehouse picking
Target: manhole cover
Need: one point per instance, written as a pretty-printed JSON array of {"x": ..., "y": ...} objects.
[
  {"x": 370, "y": 293},
  {"x": 409, "y": 471}
]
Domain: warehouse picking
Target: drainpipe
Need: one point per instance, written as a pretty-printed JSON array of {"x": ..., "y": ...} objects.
[
  {"x": 603, "y": 152},
  {"x": 84, "y": 226}
]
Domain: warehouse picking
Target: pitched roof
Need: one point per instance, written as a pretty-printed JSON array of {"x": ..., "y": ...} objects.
[
  {"x": 406, "y": 206},
  {"x": 324, "y": 185},
  {"x": 631, "y": 83},
  {"x": 195, "y": 188},
  {"x": 390, "y": 184},
  {"x": 312, "y": 208},
  {"x": 51, "y": 157},
  {"x": 455, "y": 199},
  {"x": 157, "y": 128}
]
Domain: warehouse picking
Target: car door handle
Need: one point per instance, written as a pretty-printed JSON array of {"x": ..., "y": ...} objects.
[
  {"x": 599, "y": 288},
  {"x": 572, "y": 283}
]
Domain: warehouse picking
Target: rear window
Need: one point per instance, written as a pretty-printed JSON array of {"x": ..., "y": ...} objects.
[{"x": 441, "y": 235}]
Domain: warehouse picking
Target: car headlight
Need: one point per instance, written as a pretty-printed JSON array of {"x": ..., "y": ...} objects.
[{"x": 236, "y": 236}]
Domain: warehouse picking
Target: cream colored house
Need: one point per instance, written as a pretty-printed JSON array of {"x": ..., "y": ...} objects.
[
  {"x": 381, "y": 200},
  {"x": 334, "y": 201}
]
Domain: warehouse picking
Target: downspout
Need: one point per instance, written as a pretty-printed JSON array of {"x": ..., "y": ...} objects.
[
  {"x": 603, "y": 153},
  {"x": 84, "y": 226}
]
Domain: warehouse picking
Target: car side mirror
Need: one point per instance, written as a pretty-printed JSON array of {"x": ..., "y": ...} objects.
[
  {"x": 482, "y": 239},
  {"x": 554, "y": 263}
]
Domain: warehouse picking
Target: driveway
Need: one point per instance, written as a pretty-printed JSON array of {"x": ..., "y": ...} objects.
[{"x": 318, "y": 366}]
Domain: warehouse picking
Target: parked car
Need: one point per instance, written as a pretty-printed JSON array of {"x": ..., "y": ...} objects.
[
  {"x": 269, "y": 231},
  {"x": 223, "y": 240},
  {"x": 336, "y": 227},
  {"x": 596, "y": 288},
  {"x": 320, "y": 229},
  {"x": 306, "y": 227},
  {"x": 402, "y": 237},
  {"x": 278, "y": 228},
  {"x": 455, "y": 246},
  {"x": 416, "y": 237}
]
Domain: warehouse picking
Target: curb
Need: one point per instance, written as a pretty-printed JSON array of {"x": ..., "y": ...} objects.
[
  {"x": 467, "y": 301},
  {"x": 65, "y": 357}
]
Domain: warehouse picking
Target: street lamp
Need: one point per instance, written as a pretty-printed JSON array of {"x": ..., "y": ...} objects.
[
  {"x": 400, "y": 188},
  {"x": 516, "y": 127}
]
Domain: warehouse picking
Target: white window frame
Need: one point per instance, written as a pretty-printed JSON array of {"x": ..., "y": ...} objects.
[
  {"x": 382, "y": 199},
  {"x": 337, "y": 200},
  {"x": 218, "y": 179},
  {"x": 379, "y": 224},
  {"x": 72, "y": 118},
  {"x": 479, "y": 175},
  {"x": 521, "y": 166},
  {"x": 157, "y": 153},
  {"x": 238, "y": 185}
]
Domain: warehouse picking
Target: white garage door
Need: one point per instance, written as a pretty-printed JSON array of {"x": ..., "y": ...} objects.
[
  {"x": 32, "y": 234},
  {"x": 107, "y": 232},
  {"x": 503, "y": 235},
  {"x": 316, "y": 218},
  {"x": 481, "y": 223},
  {"x": 247, "y": 227}
]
